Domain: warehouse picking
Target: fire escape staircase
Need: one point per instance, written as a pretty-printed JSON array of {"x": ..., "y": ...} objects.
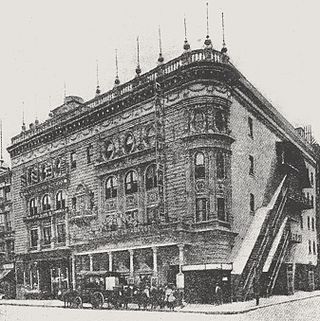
[
  {"x": 258, "y": 241},
  {"x": 276, "y": 256}
]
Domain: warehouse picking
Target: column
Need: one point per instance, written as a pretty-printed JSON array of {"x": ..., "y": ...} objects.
[
  {"x": 90, "y": 262},
  {"x": 73, "y": 271},
  {"x": 180, "y": 275},
  {"x": 39, "y": 238},
  {"x": 181, "y": 256},
  {"x": 110, "y": 261},
  {"x": 131, "y": 262},
  {"x": 53, "y": 232},
  {"x": 155, "y": 261}
]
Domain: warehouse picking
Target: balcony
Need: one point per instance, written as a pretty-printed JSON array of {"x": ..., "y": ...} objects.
[
  {"x": 82, "y": 216},
  {"x": 300, "y": 200},
  {"x": 45, "y": 214},
  {"x": 295, "y": 238}
]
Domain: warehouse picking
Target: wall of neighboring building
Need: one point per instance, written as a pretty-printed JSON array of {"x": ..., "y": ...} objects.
[{"x": 263, "y": 182}]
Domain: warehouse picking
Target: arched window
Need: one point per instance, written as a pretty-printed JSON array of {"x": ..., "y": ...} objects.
[
  {"x": 60, "y": 200},
  {"x": 129, "y": 143},
  {"x": 151, "y": 136},
  {"x": 46, "y": 202},
  {"x": 109, "y": 149},
  {"x": 220, "y": 166},
  {"x": 111, "y": 187},
  {"x": 33, "y": 210},
  {"x": 131, "y": 185},
  {"x": 151, "y": 177},
  {"x": 199, "y": 166}
]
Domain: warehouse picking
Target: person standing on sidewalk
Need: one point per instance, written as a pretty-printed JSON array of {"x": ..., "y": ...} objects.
[{"x": 256, "y": 289}]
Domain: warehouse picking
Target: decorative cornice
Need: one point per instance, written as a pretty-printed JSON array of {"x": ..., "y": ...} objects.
[{"x": 173, "y": 74}]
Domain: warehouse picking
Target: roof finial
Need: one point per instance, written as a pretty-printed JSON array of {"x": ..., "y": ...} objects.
[
  {"x": 160, "y": 59},
  {"x": 23, "y": 127},
  {"x": 186, "y": 45},
  {"x": 117, "y": 80},
  {"x": 138, "y": 69},
  {"x": 224, "y": 47},
  {"x": 64, "y": 90},
  {"x": 208, "y": 42},
  {"x": 98, "y": 91},
  {"x": 1, "y": 154}
]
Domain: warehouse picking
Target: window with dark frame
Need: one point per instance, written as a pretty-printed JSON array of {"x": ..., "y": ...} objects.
[
  {"x": 46, "y": 206},
  {"x": 199, "y": 166},
  {"x": 89, "y": 154},
  {"x": 312, "y": 224},
  {"x": 252, "y": 205},
  {"x": 73, "y": 159},
  {"x": 312, "y": 179},
  {"x": 220, "y": 166},
  {"x": 301, "y": 222},
  {"x": 111, "y": 187},
  {"x": 221, "y": 209},
  {"x": 60, "y": 200},
  {"x": 74, "y": 203},
  {"x": 314, "y": 247},
  {"x": 251, "y": 160},
  {"x": 61, "y": 233},
  {"x": 129, "y": 144},
  {"x": 34, "y": 237},
  {"x": 47, "y": 235},
  {"x": 250, "y": 126},
  {"x": 201, "y": 209},
  {"x": 33, "y": 210},
  {"x": 151, "y": 177},
  {"x": 310, "y": 247},
  {"x": 109, "y": 149},
  {"x": 308, "y": 222},
  {"x": 131, "y": 183}
]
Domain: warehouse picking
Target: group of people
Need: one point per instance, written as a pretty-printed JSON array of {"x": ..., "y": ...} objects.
[{"x": 148, "y": 296}]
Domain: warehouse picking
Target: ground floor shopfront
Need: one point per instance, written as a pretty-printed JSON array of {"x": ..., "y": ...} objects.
[{"x": 43, "y": 274}]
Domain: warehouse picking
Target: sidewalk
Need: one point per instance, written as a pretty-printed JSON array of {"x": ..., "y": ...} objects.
[
  {"x": 229, "y": 308},
  {"x": 247, "y": 306}
]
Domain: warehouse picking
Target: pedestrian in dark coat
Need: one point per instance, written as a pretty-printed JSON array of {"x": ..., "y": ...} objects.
[{"x": 256, "y": 290}]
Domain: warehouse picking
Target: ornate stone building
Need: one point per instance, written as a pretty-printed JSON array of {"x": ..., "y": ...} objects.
[
  {"x": 185, "y": 174},
  {"x": 7, "y": 279}
]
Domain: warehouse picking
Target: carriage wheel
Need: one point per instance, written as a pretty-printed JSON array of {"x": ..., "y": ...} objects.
[
  {"x": 97, "y": 300},
  {"x": 77, "y": 302}
]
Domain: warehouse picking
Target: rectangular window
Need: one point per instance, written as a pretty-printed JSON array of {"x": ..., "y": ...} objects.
[
  {"x": 251, "y": 170},
  {"x": 308, "y": 222},
  {"x": 312, "y": 223},
  {"x": 89, "y": 154},
  {"x": 201, "y": 209},
  {"x": 47, "y": 235},
  {"x": 301, "y": 222},
  {"x": 61, "y": 233},
  {"x": 221, "y": 209},
  {"x": 250, "y": 127},
  {"x": 252, "y": 205},
  {"x": 74, "y": 203},
  {"x": 314, "y": 247},
  {"x": 73, "y": 159},
  {"x": 312, "y": 201},
  {"x": 310, "y": 247},
  {"x": 34, "y": 237},
  {"x": 312, "y": 179}
]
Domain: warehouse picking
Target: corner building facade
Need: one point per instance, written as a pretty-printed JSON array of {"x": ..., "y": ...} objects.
[{"x": 184, "y": 175}]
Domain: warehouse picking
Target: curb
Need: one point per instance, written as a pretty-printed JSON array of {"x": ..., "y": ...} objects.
[
  {"x": 251, "y": 308},
  {"x": 177, "y": 311}
]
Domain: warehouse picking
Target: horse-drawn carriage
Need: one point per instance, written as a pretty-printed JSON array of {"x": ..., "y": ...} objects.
[{"x": 96, "y": 288}]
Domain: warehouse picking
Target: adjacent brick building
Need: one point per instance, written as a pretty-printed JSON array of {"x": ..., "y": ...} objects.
[
  {"x": 7, "y": 279},
  {"x": 185, "y": 174}
]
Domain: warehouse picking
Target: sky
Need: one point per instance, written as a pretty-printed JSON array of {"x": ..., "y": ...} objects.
[{"x": 46, "y": 44}]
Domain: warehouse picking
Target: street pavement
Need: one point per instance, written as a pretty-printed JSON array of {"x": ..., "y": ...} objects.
[
  {"x": 307, "y": 309},
  {"x": 300, "y": 306}
]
